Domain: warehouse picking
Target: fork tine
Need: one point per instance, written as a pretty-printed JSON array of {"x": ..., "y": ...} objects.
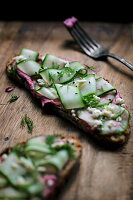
[
  {"x": 85, "y": 35},
  {"x": 80, "y": 42},
  {"x": 87, "y": 45},
  {"x": 84, "y": 39}
]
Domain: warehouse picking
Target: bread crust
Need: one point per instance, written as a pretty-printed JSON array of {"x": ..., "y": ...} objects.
[{"x": 110, "y": 141}]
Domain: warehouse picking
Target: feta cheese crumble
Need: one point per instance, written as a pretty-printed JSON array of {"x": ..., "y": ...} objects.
[
  {"x": 119, "y": 101},
  {"x": 96, "y": 113},
  {"x": 96, "y": 97},
  {"x": 40, "y": 82},
  {"x": 110, "y": 111},
  {"x": 96, "y": 123}
]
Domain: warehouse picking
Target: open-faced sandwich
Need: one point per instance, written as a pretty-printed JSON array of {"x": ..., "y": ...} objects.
[
  {"x": 37, "y": 168},
  {"x": 75, "y": 92}
]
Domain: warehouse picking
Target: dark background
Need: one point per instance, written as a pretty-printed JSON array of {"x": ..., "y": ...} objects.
[{"x": 106, "y": 11}]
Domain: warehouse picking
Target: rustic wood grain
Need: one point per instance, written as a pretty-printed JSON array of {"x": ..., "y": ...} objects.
[{"x": 102, "y": 174}]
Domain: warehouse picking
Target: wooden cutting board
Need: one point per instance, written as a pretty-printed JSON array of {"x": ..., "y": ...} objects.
[{"x": 102, "y": 174}]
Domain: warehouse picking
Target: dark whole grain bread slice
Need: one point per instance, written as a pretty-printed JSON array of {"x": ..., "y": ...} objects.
[
  {"x": 108, "y": 140},
  {"x": 65, "y": 173}
]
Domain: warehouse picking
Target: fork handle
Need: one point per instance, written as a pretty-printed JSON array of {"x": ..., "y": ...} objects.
[{"x": 121, "y": 60}]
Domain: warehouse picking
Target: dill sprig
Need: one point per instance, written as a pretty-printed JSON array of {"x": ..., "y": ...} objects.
[
  {"x": 70, "y": 150},
  {"x": 91, "y": 68},
  {"x": 27, "y": 121},
  {"x": 13, "y": 98},
  {"x": 50, "y": 139},
  {"x": 22, "y": 124}
]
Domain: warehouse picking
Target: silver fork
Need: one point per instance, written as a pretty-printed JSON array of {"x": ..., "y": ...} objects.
[{"x": 90, "y": 46}]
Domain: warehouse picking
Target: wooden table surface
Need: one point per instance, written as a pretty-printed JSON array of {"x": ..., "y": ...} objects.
[{"x": 102, "y": 174}]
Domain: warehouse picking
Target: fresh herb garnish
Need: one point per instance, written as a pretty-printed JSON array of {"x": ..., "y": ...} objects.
[
  {"x": 27, "y": 121},
  {"x": 101, "y": 89},
  {"x": 55, "y": 65},
  {"x": 13, "y": 98},
  {"x": 91, "y": 68},
  {"x": 50, "y": 139},
  {"x": 13, "y": 70},
  {"x": 50, "y": 77},
  {"x": 19, "y": 150},
  {"x": 69, "y": 149},
  {"x": 60, "y": 74},
  {"x": 35, "y": 84},
  {"x": 67, "y": 70},
  {"x": 90, "y": 100}
]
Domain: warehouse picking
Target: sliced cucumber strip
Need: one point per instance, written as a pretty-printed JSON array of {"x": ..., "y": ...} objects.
[
  {"x": 14, "y": 171},
  {"x": 89, "y": 86},
  {"x": 116, "y": 127},
  {"x": 113, "y": 111},
  {"x": 12, "y": 193},
  {"x": 29, "y": 54},
  {"x": 103, "y": 87},
  {"x": 29, "y": 67},
  {"x": 111, "y": 126},
  {"x": 70, "y": 96},
  {"x": 106, "y": 99},
  {"x": 103, "y": 101},
  {"x": 58, "y": 76},
  {"x": 37, "y": 148},
  {"x": 49, "y": 75},
  {"x": 88, "y": 117},
  {"x": 57, "y": 160},
  {"x": 125, "y": 119},
  {"x": 77, "y": 67},
  {"x": 38, "y": 139},
  {"x": 35, "y": 189},
  {"x": 50, "y": 92},
  {"x": 51, "y": 61},
  {"x": 63, "y": 75}
]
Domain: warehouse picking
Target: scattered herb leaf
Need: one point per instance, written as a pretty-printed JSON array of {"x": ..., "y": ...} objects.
[
  {"x": 27, "y": 121},
  {"x": 22, "y": 124},
  {"x": 13, "y": 98}
]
